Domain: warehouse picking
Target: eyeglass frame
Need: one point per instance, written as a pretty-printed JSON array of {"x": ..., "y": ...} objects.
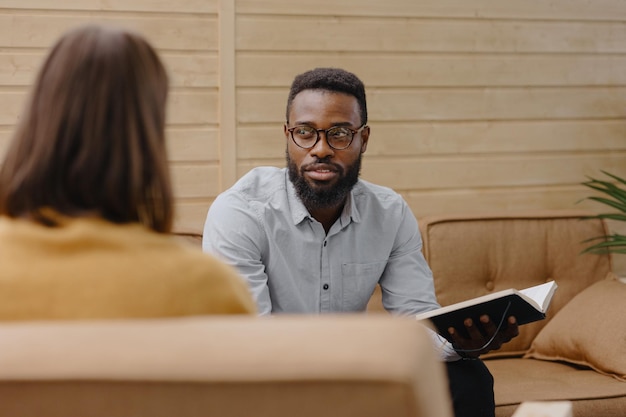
[{"x": 317, "y": 132}]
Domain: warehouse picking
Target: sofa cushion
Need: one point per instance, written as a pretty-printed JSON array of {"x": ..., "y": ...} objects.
[
  {"x": 473, "y": 255},
  {"x": 588, "y": 331},
  {"x": 518, "y": 380}
]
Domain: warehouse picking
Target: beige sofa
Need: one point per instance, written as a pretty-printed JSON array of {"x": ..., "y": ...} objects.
[
  {"x": 222, "y": 366},
  {"x": 578, "y": 352},
  {"x": 581, "y": 355}
]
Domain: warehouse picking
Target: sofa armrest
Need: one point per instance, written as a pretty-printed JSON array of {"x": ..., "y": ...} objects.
[{"x": 221, "y": 365}]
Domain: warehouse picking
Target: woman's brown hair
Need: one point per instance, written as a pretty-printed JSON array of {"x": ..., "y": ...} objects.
[{"x": 91, "y": 140}]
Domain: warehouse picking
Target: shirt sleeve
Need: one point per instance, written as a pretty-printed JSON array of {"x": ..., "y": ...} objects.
[
  {"x": 443, "y": 349},
  {"x": 407, "y": 282},
  {"x": 232, "y": 232}
]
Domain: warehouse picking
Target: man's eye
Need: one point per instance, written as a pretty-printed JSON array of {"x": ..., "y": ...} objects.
[
  {"x": 303, "y": 131},
  {"x": 339, "y": 133}
]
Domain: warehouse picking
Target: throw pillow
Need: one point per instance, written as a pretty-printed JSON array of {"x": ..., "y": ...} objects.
[{"x": 590, "y": 330}]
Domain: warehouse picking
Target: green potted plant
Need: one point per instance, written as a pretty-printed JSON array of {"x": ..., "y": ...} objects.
[{"x": 614, "y": 196}]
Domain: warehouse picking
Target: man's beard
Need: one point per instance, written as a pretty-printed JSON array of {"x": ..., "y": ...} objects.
[{"x": 324, "y": 197}]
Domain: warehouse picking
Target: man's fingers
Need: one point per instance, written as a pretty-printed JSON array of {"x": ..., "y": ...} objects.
[
  {"x": 488, "y": 326},
  {"x": 472, "y": 330}
]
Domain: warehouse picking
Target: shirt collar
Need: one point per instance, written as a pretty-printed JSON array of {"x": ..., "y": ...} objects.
[
  {"x": 350, "y": 210},
  {"x": 298, "y": 211}
]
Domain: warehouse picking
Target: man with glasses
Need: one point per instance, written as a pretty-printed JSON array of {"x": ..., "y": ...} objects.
[{"x": 314, "y": 238}]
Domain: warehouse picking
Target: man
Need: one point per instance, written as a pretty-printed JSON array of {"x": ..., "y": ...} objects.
[{"x": 314, "y": 238}]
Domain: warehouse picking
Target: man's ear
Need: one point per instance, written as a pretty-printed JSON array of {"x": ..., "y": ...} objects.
[
  {"x": 365, "y": 136},
  {"x": 285, "y": 131}
]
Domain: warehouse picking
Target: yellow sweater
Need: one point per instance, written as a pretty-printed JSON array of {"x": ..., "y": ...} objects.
[{"x": 90, "y": 268}]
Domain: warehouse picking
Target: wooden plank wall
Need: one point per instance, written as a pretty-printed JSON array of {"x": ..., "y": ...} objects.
[
  {"x": 186, "y": 34},
  {"x": 474, "y": 104}
]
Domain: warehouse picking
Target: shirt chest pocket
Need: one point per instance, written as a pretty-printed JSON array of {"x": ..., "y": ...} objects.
[{"x": 358, "y": 282}]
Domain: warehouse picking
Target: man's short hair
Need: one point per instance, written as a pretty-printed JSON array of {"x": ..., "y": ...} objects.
[{"x": 330, "y": 79}]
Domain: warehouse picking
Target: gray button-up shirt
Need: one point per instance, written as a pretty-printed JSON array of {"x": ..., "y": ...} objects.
[{"x": 262, "y": 228}]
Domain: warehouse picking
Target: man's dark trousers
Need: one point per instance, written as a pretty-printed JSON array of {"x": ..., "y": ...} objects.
[{"x": 471, "y": 388}]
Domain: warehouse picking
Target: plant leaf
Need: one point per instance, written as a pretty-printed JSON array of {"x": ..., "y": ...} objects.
[
  {"x": 616, "y": 193},
  {"x": 606, "y": 201},
  {"x": 607, "y": 188},
  {"x": 615, "y": 177},
  {"x": 614, "y": 243}
]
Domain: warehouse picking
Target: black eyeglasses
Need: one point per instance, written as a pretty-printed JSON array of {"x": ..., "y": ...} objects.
[{"x": 338, "y": 137}]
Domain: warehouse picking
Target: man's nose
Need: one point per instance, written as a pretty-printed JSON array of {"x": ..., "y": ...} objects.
[{"x": 322, "y": 149}]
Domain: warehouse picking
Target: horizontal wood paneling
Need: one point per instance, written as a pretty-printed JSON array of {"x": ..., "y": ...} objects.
[
  {"x": 353, "y": 34},
  {"x": 458, "y": 172},
  {"x": 512, "y": 171},
  {"x": 482, "y": 137},
  {"x": 184, "y": 107},
  {"x": 493, "y": 137},
  {"x": 195, "y": 180},
  {"x": 185, "y": 34},
  {"x": 467, "y": 113},
  {"x": 474, "y": 104},
  {"x": 382, "y": 69},
  {"x": 268, "y": 105},
  {"x": 190, "y": 214},
  {"x": 166, "y": 32},
  {"x": 192, "y": 144},
  {"x": 451, "y": 201},
  {"x": 192, "y": 70},
  {"x": 476, "y": 9},
  {"x": 5, "y": 139},
  {"x": 149, "y": 6},
  {"x": 190, "y": 180},
  {"x": 193, "y": 107},
  {"x": 197, "y": 70},
  {"x": 184, "y": 145},
  {"x": 19, "y": 68},
  {"x": 12, "y": 104}
]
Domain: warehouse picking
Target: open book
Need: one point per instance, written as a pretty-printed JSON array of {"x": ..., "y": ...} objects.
[{"x": 526, "y": 306}]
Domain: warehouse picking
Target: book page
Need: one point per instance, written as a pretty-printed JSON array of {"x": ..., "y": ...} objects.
[
  {"x": 541, "y": 294},
  {"x": 544, "y": 409}
]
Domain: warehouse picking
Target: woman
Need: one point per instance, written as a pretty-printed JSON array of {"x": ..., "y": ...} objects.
[{"x": 85, "y": 195}]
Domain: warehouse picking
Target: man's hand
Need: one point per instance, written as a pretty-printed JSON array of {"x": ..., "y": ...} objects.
[{"x": 480, "y": 334}]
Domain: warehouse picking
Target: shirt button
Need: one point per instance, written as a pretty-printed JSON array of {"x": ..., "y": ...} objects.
[{"x": 325, "y": 286}]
